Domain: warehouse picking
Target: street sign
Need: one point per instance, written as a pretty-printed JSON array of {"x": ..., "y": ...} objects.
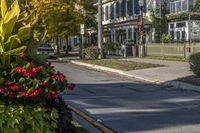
[
  {"x": 82, "y": 26},
  {"x": 82, "y": 31}
]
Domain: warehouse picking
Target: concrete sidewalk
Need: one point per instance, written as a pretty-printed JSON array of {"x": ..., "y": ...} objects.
[{"x": 172, "y": 70}]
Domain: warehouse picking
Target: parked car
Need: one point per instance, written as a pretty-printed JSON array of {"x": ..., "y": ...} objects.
[{"x": 45, "y": 50}]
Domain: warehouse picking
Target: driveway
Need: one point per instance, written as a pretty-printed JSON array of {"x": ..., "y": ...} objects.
[{"x": 130, "y": 106}]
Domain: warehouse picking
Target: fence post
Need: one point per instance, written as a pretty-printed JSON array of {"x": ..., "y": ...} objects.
[
  {"x": 184, "y": 50},
  {"x": 162, "y": 50}
]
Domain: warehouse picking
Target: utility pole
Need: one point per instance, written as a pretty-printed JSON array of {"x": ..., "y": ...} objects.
[{"x": 100, "y": 29}]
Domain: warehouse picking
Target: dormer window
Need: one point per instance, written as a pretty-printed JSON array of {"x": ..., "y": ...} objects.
[{"x": 179, "y": 6}]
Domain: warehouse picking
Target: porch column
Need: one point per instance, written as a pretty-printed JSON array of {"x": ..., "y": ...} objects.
[
  {"x": 132, "y": 33},
  {"x": 127, "y": 33}
]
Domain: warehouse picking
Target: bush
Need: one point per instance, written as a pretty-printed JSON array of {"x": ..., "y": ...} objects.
[
  {"x": 92, "y": 52},
  {"x": 194, "y": 61},
  {"x": 25, "y": 119}
]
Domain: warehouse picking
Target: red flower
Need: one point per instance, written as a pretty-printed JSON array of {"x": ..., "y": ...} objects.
[
  {"x": 24, "y": 94},
  {"x": 62, "y": 77},
  {"x": 32, "y": 74},
  {"x": 11, "y": 94},
  {"x": 53, "y": 95},
  {"x": 45, "y": 83},
  {"x": 19, "y": 70},
  {"x": 34, "y": 70},
  {"x": 53, "y": 76},
  {"x": 16, "y": 87},
  {"x": 40, "y": 68},
  {"x": 35, "y": 93},
  {"x": 22, "y": 55},
  {"x": 2, "y": 90},
  {"x": 27, "y": 74},
  {"x": 71, "y": 86},
  {"x": 8, "y": 83}
]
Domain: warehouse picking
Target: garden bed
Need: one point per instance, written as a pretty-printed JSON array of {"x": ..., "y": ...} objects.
[{"x": 122, "y": 64}]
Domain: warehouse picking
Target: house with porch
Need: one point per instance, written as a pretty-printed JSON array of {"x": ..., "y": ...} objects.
[
  {"x": 120, "y": 18},
  {"x": 184, "y": 21}
]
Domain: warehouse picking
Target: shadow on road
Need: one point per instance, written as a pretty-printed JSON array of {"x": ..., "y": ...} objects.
[{"x": 134, "y": 107}]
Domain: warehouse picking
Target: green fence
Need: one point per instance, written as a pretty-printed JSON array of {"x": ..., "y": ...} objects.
[{"x": 174, "y": 49}]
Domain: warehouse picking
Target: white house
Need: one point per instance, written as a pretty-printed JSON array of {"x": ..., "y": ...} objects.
[
  {"x": 120, "y": 21},
  {"x": 184, "y": 22}
]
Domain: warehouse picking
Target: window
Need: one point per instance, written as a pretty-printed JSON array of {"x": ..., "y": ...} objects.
[
  {"x": 130, "y": 7},
  {"x": 123, "y": 8},
  {"x": 112, "y": 12},
  {"x": 172, "y": 7},
  {"x": 172, "y": 34},
  {"x": 180, "y": 25},
  {"x": 184, "y": 5},
  {"x": 136, "y": 7},
  {"x": 106, "y": 13},
  {"x": 179, "y": 6},
  {"x": 103, "y": 14},
  {"x": 171, "y": 26},
  {"x": 117, "y": 9}
]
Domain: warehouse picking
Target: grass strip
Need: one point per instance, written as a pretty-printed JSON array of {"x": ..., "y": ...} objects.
[{"x": 122, "y": 64}]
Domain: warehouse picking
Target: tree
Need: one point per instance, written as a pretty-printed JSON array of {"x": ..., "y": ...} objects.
[
  {"x": 61, "y": 18},
  {"x": 160, "y": 24}
]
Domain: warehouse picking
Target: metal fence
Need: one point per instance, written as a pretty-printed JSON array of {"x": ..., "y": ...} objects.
[{"x": 173, "y": 49}]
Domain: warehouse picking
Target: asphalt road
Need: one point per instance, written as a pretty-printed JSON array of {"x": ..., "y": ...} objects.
[{"x": 129, "y": 106}]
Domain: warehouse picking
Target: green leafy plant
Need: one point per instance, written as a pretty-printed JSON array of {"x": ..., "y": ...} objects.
[
  {"x": 167, "y": 38},
  {"x": 24, "y": 119},
  {"x": 195, "y": 63},
  {"x": 14, "y": 32},
  {"x": 29, "y": 80}
]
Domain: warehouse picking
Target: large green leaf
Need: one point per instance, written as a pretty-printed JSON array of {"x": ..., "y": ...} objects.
[
  {"x": 24, "y": 32},
  {"x": 7, "y": 28},
  {"x": 14, "y": 11},
  {"x": 12, "y": 42},
  {"x": 4, "y": 7},
  {"x": 16, "y": 51},
  {"x": 9, "y": 20}
]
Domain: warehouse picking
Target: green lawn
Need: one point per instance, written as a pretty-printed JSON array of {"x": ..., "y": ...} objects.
[
  {"x": 121, "y": 64},
  {"x": 169, "y": 58},
  {"x": 194, "y": 80}
]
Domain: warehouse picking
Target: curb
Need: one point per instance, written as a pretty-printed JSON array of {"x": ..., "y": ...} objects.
[
  {"x": 183, "y": 86},
  {"x": 92, "y": 121},
  {"x": 106, "y": 69},
  {"x": 175, "y": 84}
]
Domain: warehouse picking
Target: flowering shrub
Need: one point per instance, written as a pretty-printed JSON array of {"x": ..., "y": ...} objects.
[{"x": 26, "y": 79}]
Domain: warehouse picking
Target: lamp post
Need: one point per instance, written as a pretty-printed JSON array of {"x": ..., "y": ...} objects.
[
  {"x": 141, "y": 29},
  {"x": 100, "y": 29}
]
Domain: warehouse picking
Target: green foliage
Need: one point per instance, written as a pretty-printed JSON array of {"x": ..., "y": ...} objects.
[
  {"x": 194, "y": 61},
  {"x": 160, "y": 24},
  {"x": 25, "y": 119},
  {"x": 111, "y": 46},
  {"x": 92, "y": 52},
  {"x": 14, "y": 33},
  {"x": 167, "y": 38}
]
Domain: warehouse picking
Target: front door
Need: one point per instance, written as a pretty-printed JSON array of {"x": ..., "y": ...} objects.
[{"x": 180, "y": 35}]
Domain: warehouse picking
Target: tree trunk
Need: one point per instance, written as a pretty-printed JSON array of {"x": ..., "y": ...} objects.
[
  {"x": 57, "y": 44},
  {"x": 66, "y": 49}
]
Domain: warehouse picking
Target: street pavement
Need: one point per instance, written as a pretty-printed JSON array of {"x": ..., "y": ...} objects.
[{"x": 131, "y": 106}]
